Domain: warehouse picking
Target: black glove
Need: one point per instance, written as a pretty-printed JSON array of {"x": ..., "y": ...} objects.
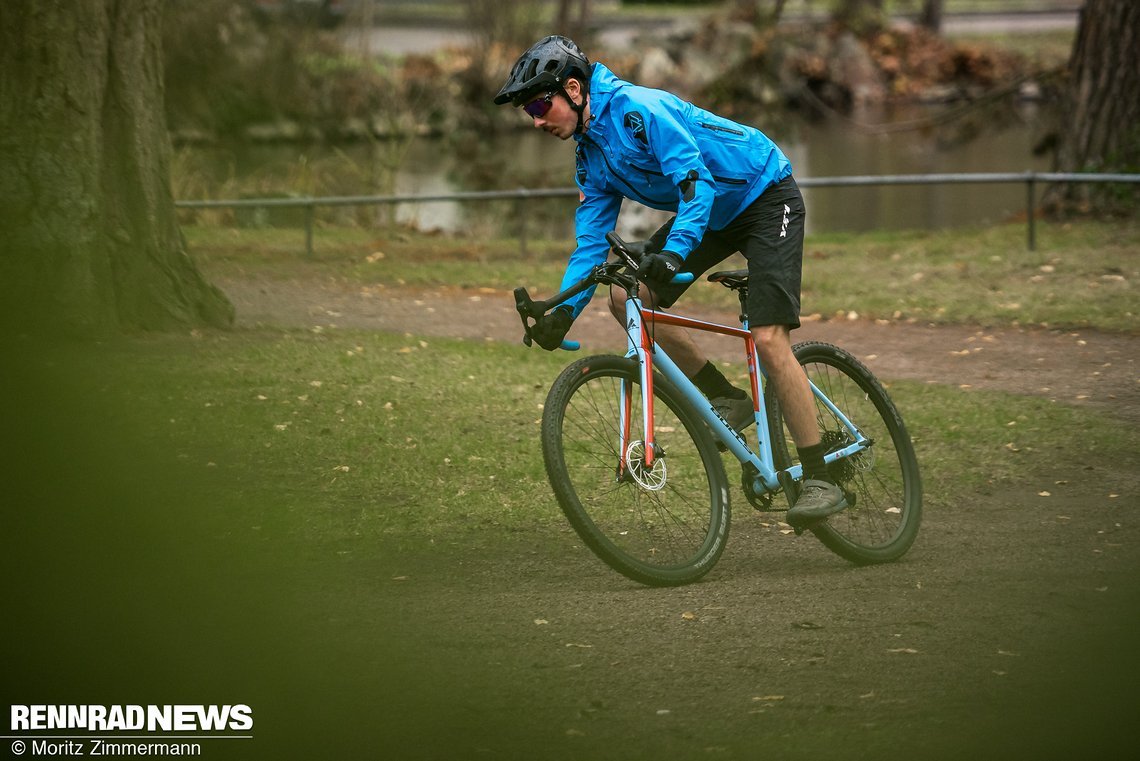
[
  {"x": 660, "y": 267},
  {"x": 550, "y": 329}
]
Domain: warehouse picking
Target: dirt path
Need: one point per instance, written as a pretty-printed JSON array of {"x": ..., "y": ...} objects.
[
  {"x": 1073, "y": 367},
  {"x": 1008, "y": 631}
]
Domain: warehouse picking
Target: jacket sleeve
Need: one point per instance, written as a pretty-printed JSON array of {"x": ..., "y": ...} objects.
[
  {"x": 680, "y": 158},
  {"x": 597, "y": 214}
]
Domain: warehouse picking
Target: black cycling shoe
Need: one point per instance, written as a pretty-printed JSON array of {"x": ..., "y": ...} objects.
[{"x": 817, "y": 501}]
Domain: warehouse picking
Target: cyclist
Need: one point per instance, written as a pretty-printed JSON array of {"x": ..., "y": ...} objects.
[{"x": 731, "y": 189}]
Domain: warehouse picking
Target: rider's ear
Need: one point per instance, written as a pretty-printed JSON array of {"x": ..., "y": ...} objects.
[{"x": 573, "y": 87}]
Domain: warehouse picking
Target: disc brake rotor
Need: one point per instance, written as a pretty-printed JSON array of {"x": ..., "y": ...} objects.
[{"x": 651, "y": 478}]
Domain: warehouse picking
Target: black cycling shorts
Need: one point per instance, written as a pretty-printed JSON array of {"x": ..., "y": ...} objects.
[{"x": 770, "y": 234}]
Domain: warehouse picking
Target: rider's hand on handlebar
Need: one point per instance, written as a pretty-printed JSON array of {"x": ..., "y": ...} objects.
[
  {"x": 660, "y": 267},
  {"x": 549, "y": 329}
]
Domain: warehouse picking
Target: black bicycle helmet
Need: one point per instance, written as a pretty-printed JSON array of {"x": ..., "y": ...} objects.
[{"x": 544, "y": 68}]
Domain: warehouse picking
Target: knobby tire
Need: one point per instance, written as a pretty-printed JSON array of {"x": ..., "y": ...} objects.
[{"x": 665, "y": 537}]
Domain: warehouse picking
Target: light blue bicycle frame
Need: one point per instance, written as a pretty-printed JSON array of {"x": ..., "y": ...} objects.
[{"x": 649, "y": 354}]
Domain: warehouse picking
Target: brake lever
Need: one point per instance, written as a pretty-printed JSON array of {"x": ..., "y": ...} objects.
[
  {"x": 524, "y": 305},
  {"x": 632, "y": 253}
]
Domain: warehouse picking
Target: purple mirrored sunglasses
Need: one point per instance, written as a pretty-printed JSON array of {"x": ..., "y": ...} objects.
[{"x": 540, "y": 106}]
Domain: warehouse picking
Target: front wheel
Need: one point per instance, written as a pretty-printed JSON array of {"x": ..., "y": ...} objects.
[
  {"x": 661, "y": 524},
  {"x": 882, "y": 482}
]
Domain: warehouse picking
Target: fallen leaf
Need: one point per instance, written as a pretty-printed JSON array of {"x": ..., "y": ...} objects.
[
  {"x": 908, "y": 650},
  {"x": 540, "y": 622},
  {"x": 689, "y": 616}
]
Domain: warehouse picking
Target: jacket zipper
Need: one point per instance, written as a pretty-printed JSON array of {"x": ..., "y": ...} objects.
[{"x": 718, "y": 128}]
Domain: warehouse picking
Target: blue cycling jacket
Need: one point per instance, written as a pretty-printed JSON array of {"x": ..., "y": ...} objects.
[{"x": 664, "y": 152}]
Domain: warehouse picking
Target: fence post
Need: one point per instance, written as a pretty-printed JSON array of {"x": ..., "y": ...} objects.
[
  {"x": 1031, "y": 218},
  {"x": 310, "y": 208},
  {"x": 520, "y": 213}
]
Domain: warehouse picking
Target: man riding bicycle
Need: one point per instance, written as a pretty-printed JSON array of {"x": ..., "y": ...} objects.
[{"x": 731, "y": 189}]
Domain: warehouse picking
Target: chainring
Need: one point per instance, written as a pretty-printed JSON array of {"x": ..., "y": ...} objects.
[{"x": 764, "y": 501}]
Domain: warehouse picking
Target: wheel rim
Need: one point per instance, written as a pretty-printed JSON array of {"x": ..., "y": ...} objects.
[
  {"x": 874, "y": 480},
  {"x": 661, "y": 517}
]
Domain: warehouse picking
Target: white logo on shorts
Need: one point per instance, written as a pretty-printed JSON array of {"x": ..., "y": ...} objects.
[{"x": 784, "y": 225}]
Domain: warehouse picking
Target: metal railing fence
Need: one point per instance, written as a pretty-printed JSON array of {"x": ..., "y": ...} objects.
[{"x": 1030, "y": 179}]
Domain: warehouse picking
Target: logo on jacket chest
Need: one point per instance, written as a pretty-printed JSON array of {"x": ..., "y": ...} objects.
[{"x": 635, "y": 126}]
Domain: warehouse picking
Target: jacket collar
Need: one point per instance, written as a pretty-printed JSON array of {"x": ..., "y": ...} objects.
[{"x": 603, "y": 84}]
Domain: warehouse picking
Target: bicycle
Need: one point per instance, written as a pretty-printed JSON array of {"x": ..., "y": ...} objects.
[{"x": 633, "y": 450}]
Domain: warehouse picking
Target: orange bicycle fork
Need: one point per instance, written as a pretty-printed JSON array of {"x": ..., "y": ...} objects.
[{"x": 641, "y": 347}]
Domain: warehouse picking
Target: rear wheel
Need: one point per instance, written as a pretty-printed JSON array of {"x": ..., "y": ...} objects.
[
  {"x": 662, "y": 524},
  {"x": 882, "y": 483}
]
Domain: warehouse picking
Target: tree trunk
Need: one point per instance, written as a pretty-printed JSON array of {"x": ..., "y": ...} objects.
[
  {"x": 1100, "y": 131},
  {"x": 91, "y": 243},
  {"x": 860, "y": 16},
  {"x": 931, "y": 16}
]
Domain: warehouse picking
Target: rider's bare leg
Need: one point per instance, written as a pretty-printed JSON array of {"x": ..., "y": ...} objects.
[
  {"x": 774, "y": 346},
  {"x": 819, "y": 497}
]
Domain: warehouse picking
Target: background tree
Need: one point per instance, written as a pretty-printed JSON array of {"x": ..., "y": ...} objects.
[
  {"x": 931, "y": 15},
  {"x": 860, "y": 16},
  {"x": 573, "y": 19},
  {"x": 1100, "y": 130},
  {"x": 91, "y": 243}
]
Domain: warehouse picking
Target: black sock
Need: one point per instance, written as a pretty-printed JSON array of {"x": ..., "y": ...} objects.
[
  {"x": 714, "y": 385},
  {"x": 812, "y": 460}
]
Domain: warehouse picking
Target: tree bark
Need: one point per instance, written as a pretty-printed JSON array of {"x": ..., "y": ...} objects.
[
  {"x": 1100, "y": 131},
  {"x": 91, "y": 243},
  {"x": 931, "y": 16},
  {"x": 860, "y": 16}
]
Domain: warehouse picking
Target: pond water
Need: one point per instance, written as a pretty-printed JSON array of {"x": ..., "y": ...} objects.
[{"x": 914, "y": 141}]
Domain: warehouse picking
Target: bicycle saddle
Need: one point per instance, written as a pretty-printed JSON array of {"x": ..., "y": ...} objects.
[{"x": 734, "y": 279}]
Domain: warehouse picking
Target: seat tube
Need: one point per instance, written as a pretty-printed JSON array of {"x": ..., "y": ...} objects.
[
  {"x": 753, "y": 373},
  {"x": 758, "y": 378}
]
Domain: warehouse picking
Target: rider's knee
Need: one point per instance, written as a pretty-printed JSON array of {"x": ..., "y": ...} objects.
[{"x": 771, "y": 341}]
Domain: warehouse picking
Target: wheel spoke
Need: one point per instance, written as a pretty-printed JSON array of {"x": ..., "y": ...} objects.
[{"x": 657, "y": 524}]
